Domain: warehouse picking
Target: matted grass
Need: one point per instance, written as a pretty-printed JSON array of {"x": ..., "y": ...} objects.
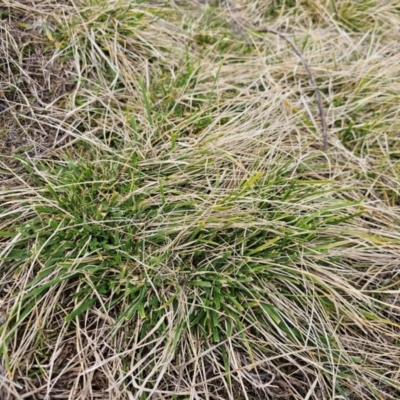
[{"x": 171, "y": 226}]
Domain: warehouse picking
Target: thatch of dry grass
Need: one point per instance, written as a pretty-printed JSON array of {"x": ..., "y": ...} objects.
[{"x": 171, "y": 225}]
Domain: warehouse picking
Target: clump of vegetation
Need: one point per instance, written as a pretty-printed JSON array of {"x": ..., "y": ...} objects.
[{"x": 171, "y": 226}]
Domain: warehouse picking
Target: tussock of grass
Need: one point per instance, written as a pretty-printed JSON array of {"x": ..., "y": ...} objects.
[{"x": 170, "y": 227}]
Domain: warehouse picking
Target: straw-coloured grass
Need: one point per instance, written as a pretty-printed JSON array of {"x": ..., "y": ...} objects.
[{"x": 171, "y": 224}]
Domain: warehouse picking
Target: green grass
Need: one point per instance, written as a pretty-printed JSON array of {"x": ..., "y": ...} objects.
[{"x": 170, "y": 227}]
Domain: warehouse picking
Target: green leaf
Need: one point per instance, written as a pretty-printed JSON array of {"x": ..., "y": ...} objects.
[
  {"x": 264, "y": 246},
  {"x": 201, "y": 283},
  {"x": 47, "y": 210},
  {"x": 227, "y": 368},
  {"x": 80, "y": 309},
  {"x": 43, "y": 287},
  {"x": 6, "y": 234},
  {"x": 146, "y": 101},
  {"x": 270, "y": 310},
  {"x": 228, "y": 326}
]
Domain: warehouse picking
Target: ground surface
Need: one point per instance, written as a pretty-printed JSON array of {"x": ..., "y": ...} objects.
[{"x": 172, "y": 225}]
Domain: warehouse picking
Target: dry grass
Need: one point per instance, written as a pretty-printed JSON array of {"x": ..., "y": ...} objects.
[{"x": 171, "y": 227}]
